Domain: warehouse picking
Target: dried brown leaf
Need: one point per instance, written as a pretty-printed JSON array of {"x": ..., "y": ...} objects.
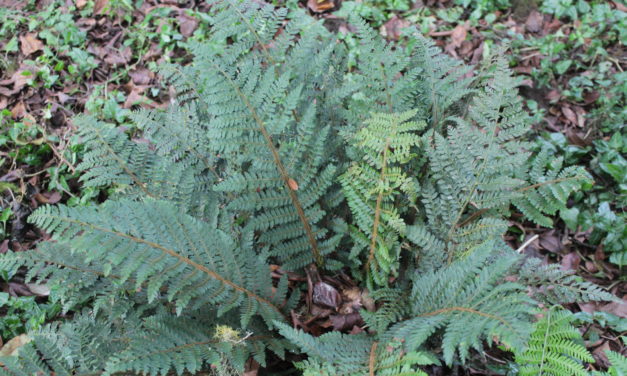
[
  {"x": 30, "y": 44},
  {"x": 534, "y": 21},
  {"x": 320, "y": 6},
  {"x": 12, "y": 347},
  {"x": 570, "y": 261},
  {"x": 326, "y": 295},
  {"x": 393, "y": 27},
  {"x": 100, "y": 5},
  {"x": 569, "y": 114},
  {"x": 459, "y": 35}
]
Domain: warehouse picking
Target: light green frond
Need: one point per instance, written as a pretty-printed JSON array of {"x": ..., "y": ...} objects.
[{"x": 551, "y": 350}]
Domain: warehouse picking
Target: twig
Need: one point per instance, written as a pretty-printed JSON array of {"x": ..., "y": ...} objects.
[{"x": 525, "y": 244}]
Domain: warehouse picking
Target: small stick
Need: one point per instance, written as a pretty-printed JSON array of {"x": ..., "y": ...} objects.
[{"x": 525, "y": 244}]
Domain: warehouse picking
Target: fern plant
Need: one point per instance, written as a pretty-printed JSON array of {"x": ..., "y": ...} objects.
[{"x": 402, "y": 170}]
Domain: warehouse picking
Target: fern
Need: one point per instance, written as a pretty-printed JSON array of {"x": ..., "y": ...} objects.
[
  {"x": 469, "y": 303},
  {"x": 273, "y": 152},
  {"x": 551, "y": 350},
  {"x": 386, "y": 142}
]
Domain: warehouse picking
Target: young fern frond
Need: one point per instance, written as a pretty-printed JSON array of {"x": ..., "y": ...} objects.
[
  {"x": 387, "y": 142},
  {"x": 551, "y": 350}
]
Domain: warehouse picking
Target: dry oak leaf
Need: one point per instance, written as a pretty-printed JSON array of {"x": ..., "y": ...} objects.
[{"x": 30, "y": 44}]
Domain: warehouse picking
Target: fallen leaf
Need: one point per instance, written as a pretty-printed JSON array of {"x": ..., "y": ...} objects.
[
  {"x": 393, "y": 27},
  {"x": 553, "y": 96},
  {"x": 345, "y": 322},
  {"x": 80, "y": 4},
  {"x": 20, "y": 79},
  {"x": 534, "y": 21},
  {"x": 616, "y": 308},
  {"x": 459, "y": 35},
  {"x": 326, "y": 295},
  {"x": 30, "y": 44},
  {"x": 590, "y": 97},
  {"x": 99, "y": 6},
  {"x": 320, "y": 6},
  {"x": 12, "y": 347},
  {"x": 569, "y": 114},
  {"x": 38, "y": 290},
  {"x": 134, "y": 98},
  {"x": 293, "y": 184},
  {"x": 18, "y": 111},
  {"x": 48, "y": 198},
  {"x": 187, "y": 25},
  {"x": 570, "y": 261},
  {"x": 619, "y": 6},
  {"x": 550, "y": 241},
  {"x": 141, "y": 76}
]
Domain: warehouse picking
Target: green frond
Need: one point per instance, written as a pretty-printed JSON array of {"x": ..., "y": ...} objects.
[
  {"x": 112, "y": 159},
  {"x": 336, "y": 354},
  {"x": 551, "y": 350},
  {"x": 551, "y": 284},
  {"x": 158, "y": 246},
  {"x": 469, "y": 303},
  {"x": 618, "y": 363},
  {"x": 549, "y": 187},
  {"x": 375, "y": 186}
]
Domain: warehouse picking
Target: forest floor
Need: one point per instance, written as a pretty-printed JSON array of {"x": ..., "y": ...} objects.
[{"x": 60, "y": 58}]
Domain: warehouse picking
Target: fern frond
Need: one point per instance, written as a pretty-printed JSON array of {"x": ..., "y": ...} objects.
[
  {"x": 387, "y": 142},
  {"x": 354, "y": 355},
  {"x": 551, "y": 350},
  {"x": 156, "y": 245},
  {"x": 550, "y": 187},
  {"x": 470, "y": 303},
  {"x": 551, "y": 284}
]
